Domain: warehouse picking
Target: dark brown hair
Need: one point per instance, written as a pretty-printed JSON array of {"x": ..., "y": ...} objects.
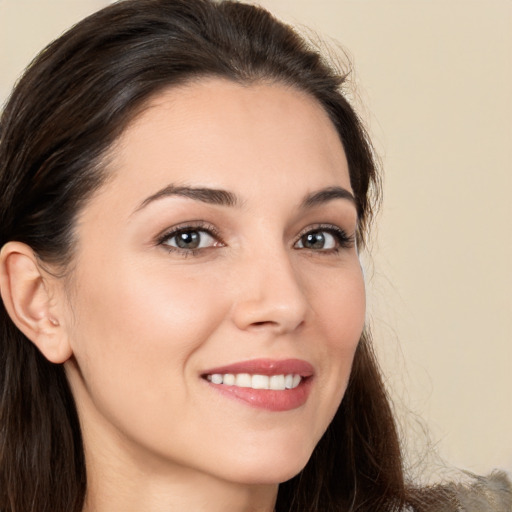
[{"x": 64, "y": 114}]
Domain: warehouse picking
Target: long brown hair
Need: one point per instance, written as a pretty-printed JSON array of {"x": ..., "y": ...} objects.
[{"x": 64, "y": 114}]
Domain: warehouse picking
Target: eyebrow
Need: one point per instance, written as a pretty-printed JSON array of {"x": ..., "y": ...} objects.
[
  {"x": 325, "y": 195},
  {"x": 204, "y": 194},
  {"x": 221, "y": 197}
]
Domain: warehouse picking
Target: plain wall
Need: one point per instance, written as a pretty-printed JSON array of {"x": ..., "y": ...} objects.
[{"x": 433, "y": 79}]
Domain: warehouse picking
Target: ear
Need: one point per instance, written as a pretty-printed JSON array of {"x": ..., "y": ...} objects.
[{"x": 32, "y": 300}]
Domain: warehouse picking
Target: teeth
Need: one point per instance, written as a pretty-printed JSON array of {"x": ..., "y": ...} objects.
[
  {"x": 260, "y": 382},
  {"x": 242, "y": 380},
  {"x": 228, "y": 379},
  {"x": 216, "y": 378},
  {"x": 277, "y": 382},
  {"x": 245, "y": 380}
]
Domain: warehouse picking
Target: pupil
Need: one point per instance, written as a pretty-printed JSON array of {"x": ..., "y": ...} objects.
[
  {"x": 315, "y": 240},
  {"x": 188, "y": 240}
]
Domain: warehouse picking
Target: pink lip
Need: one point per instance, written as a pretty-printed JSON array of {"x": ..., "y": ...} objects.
[
  {"x": 268, "y": 399},
  {"x": 266, "y": 367}
]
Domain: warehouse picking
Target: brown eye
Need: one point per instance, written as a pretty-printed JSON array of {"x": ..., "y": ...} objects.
[
  {"x": 190, "y": 239},
  {"x": 325, "y": 239},
  {"x": 317, "y": 240},
  {"x": 314, "y": 240}
]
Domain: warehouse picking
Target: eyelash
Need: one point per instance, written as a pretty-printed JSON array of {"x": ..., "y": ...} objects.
[
  {"x": 201, "y": 227},
  {"x": 343, "y": 240}
]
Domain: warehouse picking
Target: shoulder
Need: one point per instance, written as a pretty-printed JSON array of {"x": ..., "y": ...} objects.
[{"x": 492, "y": 493}]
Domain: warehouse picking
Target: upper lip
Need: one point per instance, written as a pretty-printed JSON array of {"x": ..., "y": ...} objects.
[{"x": 266, "y": 367}]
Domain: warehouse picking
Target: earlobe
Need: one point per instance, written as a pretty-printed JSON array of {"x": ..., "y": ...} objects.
[{"x": 29, "y": 297}]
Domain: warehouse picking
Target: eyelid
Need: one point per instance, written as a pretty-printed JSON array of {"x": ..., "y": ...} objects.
[
  {"x": 343, "y": 238},
  {"x": 195, "y": 225}
]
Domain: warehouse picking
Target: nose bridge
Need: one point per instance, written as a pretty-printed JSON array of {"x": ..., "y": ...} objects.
[{"x": 270, "y": 291}]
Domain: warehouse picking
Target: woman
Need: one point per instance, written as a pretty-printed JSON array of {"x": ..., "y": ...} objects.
[{"x": 185, "y": 193}]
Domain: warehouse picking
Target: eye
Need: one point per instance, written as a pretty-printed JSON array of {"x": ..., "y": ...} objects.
[
  {"x": 317, "y": 240},
  {"x": 188, "y": 239},
  {"x": 328, "y": 239}
]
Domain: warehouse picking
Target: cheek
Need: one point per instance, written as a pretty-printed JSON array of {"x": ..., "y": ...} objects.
[
  {"x": 138, "y": 328},
  {"x": 341, "y": 311},
  {"x": 146, "y": 308},
  {"x": 341, "y": 307}
]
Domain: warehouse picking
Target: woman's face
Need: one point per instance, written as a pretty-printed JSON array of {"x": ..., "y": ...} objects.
[{"x": 218, "y": 261}]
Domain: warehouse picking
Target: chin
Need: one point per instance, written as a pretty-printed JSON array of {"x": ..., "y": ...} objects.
[
  {"x": 270, "y": 476},
  {"x": 274, "y": 469}
]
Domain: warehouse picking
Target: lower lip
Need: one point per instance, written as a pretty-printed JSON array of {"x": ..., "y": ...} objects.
[{"x": 268, "y": 399}]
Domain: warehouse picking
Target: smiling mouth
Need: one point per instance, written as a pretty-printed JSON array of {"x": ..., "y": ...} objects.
[
  {"x": 245, "y": 380},
  {"x": 268, "y": 384}
]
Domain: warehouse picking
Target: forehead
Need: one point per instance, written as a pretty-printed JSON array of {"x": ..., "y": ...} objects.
[{"x": 223, "y": 134}]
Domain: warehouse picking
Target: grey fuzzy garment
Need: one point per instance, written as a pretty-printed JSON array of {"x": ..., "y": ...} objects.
[{"x": 478, "y": 494}]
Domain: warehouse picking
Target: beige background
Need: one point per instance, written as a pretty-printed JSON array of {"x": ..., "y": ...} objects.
[{"x": 434, "y": 79}]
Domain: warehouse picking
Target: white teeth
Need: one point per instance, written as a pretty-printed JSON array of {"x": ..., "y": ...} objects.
[
  {"x": 229, "y": 379},
  {"x": 277, "y": 382},
  {"x": 216, "y": 378},
  {"x": 245, "y": 380},
  {"x": 260, "y": 382}
]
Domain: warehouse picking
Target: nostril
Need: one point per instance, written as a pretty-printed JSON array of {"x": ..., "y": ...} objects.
[
  {"x": 264, "y": 324},
  {"x": 275, "y": 326}
]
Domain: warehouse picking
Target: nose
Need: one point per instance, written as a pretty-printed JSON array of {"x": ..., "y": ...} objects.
[{"x": 270, "y": 294}]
